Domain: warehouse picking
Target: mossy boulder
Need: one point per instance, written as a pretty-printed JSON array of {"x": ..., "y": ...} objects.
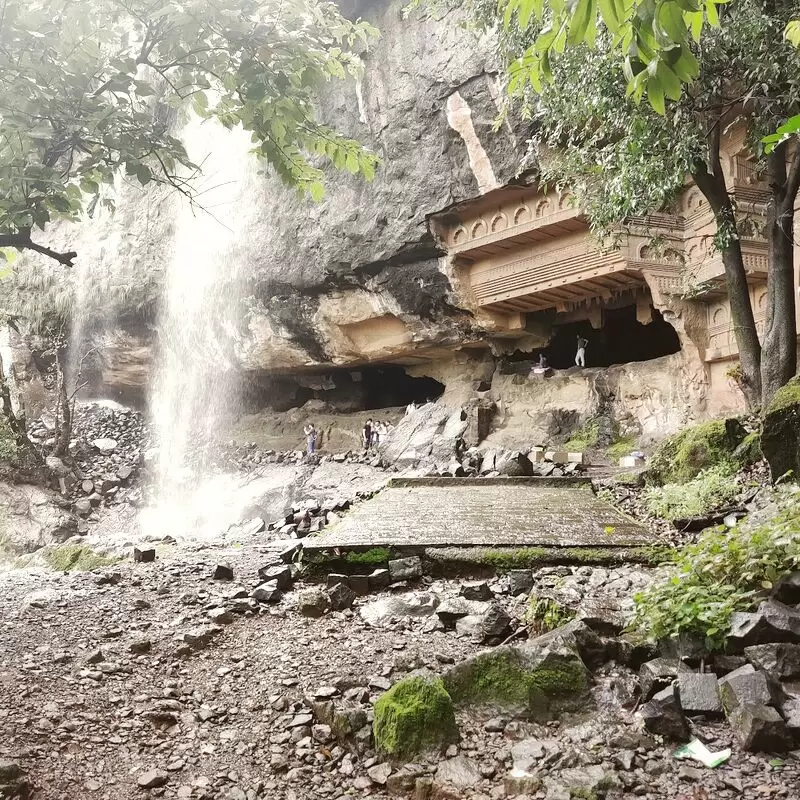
[
  {"x": 542, "y": 680},
  {"x": 78, "y": 557},
  {"x": 681, "y": 457},
  {"x": 415, "y": 715},
  {"x": 780, "y": 435}
]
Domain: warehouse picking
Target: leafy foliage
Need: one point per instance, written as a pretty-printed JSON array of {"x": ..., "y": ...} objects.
[
  {"x": 713, "y": 488},
  {"x": 93, "y": 88},
  {"x": 652, "y": 38},
  {"x": 725, "y": 571}
]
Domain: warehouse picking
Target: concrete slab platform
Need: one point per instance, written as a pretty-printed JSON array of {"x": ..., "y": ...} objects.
[{"x": 493, "y": 512}]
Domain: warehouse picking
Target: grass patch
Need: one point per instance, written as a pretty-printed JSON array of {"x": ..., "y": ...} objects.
[
  {"x": 77, "y": 557},
  {"x": 584, "y": 438},
  {"x": 375, "y": 555},
  {"x": 723, "y": 572},
  {"x": 624, "y": 446},
  {"x": 712, "y": 489}
]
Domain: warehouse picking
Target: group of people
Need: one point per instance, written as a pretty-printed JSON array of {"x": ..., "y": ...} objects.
[
  {"x": 542, "y": 366},
  {"x": 374, "y": 432}
]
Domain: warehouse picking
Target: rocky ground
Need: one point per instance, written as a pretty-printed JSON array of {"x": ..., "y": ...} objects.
[{"x": 155, "y": 679}]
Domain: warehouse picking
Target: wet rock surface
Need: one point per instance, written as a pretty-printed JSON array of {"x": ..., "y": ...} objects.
[{"x": 154, "y": 679}]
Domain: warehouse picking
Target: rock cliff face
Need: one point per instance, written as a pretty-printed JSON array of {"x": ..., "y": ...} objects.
[{"x": 354, "y": 278}]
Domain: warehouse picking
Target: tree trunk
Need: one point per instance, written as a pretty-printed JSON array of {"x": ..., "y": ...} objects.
[
  {"x": 64, "y": 432},
  {"x": 779, "y": 357},
  {"x": 15, "y": 423},
  {"x": 711, "y": 183}
]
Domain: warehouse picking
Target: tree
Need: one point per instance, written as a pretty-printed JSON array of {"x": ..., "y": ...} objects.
[
  {"x": 92, "y": 87},
  {"x": 623, "y": 159}
]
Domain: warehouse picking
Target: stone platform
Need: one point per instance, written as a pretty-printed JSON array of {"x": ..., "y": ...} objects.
[{"x": 492, "y": 512}]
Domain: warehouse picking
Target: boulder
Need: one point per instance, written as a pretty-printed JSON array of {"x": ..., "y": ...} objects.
[
  {"x": 699, "y": 693},
  {"x": 144, "y": 556},
  {"x": 542, "y": 680},
  {"x": 772, "y": 622},
  {"x": 590, "y": 781},
  {"x": 488, "y": 626},
  {"x": 655, "y": 675},
  {"x": 267, "y": 592},
  {"x": 663, "y": 716},
  {"x": 760, "y": 728},
  {"x": 412, "y": 604},
  {"x": 790, "y": 711},
  {"x": 379, "y": 579},
  {"x": 405, "y": 569},
  {"x": 512, "y": 463},
  {"x": 780, "y": 660},
  {"x": 222, "y": 572},
  {"x": 746, "y": 685},
  {"x": 415, "y": 715},
  {"x": 282, "y": 575},
  {"x": 787, "y": 589},
  {"x": 341, "y": 596},
  {"x": 459, "y": 773},
  {"x": 313, "y": 602},
  {"x": 780, "y": 433},
  {"x": 454, "y": 609},
  {"x": 576, "y": 635},
  {"x": 476, "y": 590},
  {"x": 105, "y": 446},
  {"x": 520, "y": 581}
]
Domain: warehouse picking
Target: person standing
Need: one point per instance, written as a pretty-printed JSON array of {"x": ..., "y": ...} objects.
[
  {"x": 367, "y": 434},
  {"x": 311, "y": 438},
  {"x": 580, "y": 356}
]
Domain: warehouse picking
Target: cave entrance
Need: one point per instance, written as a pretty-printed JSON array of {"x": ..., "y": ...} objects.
[
  {"x": 621, "y": 339},
  {"x": 390, "y": 386}
]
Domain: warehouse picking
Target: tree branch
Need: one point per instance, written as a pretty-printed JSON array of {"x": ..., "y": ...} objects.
[{"x": 22, "y": 241}]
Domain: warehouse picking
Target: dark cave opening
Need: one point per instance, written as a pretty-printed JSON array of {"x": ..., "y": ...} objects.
[
  {"x": 342, "y": 390},
  {"x": 620, "y": 340},
  {"x": 391, "y": 385}
]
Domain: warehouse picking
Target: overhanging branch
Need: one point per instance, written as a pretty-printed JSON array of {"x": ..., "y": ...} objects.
[{"x": 22, "y": 241}]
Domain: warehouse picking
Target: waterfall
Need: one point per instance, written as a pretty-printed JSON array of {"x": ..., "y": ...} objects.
[{"x": 196, "y": 382}]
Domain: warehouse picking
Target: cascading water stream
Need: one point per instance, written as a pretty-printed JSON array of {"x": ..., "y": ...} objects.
[{"x": 195, "y": 382}]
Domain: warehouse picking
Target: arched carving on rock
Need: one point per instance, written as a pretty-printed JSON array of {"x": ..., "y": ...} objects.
[
  {"x": 479, "y": 229},
  {"x": 459, "y": 235},
  {"x": 565, "y": 201},
  {"x": 542, "y": 207},
  {"x": 500, "y": 222},
  {"x": 694, "y": 200},
  {"x": 522, "y": 214}
]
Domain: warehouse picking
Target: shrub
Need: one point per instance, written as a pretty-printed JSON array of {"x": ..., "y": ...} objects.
[
  {"x": 713, "y": 488},
  {"x": 723, "y": 572},
  {"x": 545, "y": 614},
  {"x": 8, "y": 442},
  {"x": 681, "y": 457},
  {"x": 584, "y": 437}
]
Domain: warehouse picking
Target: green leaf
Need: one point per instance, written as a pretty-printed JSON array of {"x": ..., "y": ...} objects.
[
  {"x": 792, "y": 32},
  {"x": 655, "y": 95},
  {"x": 316, "y": 190},
  {"x": 579, "y": 28},
  {"x": 610, "y": 13}
]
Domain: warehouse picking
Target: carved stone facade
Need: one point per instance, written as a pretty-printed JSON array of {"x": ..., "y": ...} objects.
[{"x": 518, "y": 251}]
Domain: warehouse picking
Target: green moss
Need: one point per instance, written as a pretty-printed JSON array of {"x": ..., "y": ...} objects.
[
  {"x": 504, "y": 677},
  {"x": 524, "y": 557},
  {"x": 8, "y": 443},
  {"x": 622, "y": 447},
  {"x": 584, "y": 438},
  {"x": 375, "y": 555},
  {"x": 683, "y": 456},
  {"x": 78, "y": 557},
  {"x": 546, "y": 614},
  {"x": 416, "y": 714},
  {"x": 787, "y": 396},
  {"x": 749, "y": 451},
  {"x": 513, "y": 558}
]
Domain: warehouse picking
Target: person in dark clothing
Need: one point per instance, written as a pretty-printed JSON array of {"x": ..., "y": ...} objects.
[{"x": 367, "y": 434}]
